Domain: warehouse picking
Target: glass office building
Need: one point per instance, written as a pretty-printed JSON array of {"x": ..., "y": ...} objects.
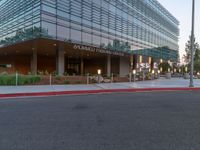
[{"x": 68, "y": 32}]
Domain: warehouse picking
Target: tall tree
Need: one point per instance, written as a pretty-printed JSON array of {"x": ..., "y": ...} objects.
[
  {"x": 197, "y": 60},
  {"x": 187, "y": 56}
]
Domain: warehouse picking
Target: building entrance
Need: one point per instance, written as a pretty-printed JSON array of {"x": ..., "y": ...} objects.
[{"x": 73, "y": 66}]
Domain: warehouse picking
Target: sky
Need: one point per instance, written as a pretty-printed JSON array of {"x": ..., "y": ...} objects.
[{"x": 182, "y": 10}]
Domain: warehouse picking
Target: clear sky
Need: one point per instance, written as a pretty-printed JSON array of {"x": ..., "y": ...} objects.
[{"x": 182, "y": 10}]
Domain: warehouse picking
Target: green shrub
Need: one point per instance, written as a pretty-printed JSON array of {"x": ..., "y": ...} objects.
[
  {"x": 78, "y": 82},
  {"x": 58, "y": 77},
  {"x": 66, "y": 82},
  {"x": 22, "y": 80}
]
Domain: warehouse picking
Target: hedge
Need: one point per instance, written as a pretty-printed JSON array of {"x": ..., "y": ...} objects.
[{"x": 22, "y": 80}]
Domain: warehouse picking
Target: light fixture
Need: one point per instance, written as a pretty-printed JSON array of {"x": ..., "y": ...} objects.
[
  {"x": 158, "y": 71},
  {"x": 186, "y": 69},
  {"x": 161, "y": 69},
  {"x": 161, "y": 61},
  {"x": 150, "y": 59},
  {"x": 140, "y": 61},
  {"x": 168, "y": 69},
  {"x": 149, "y": 69},
  {"x": 153, "y": 71},
  {"x": 175, "y": 70},
  {"x": 99, "y": 71},
  {"x": 134, "y": 71}
]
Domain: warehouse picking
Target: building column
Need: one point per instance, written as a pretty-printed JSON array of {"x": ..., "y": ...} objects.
[
  {"x": 135, "y": 61},
  {"x": 152, "y": 64},
  {"x": 124, "y": 66},
  {"x": 131, "y": 63},
  {"x": 60, "y": 60},
  {"x": 82, "y": 66},
  {"x": 34, "y": 61},
  {"x": 108, "y": 66}
]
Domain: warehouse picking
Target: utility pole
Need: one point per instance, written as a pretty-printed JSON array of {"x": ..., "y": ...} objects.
[{"x": 192, "y": 46}]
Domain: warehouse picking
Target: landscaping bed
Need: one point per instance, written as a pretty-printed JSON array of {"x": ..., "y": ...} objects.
[{"x": 19, "y": 80}]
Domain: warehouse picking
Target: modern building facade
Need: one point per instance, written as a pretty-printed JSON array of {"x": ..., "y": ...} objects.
[{"x": 81, "y": 36}]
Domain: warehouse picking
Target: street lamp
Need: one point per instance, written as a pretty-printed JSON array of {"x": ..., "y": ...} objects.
[{"x": 192, "y": 46}]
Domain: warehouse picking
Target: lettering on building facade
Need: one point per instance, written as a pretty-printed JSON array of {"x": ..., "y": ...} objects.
[{"x": 97, "y": 50}]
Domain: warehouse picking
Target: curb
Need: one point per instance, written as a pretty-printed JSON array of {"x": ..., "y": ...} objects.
[{"x": 41, "y": 94}]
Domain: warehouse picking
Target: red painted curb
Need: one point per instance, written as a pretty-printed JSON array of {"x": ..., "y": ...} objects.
[{"x": 95, "y": 92}]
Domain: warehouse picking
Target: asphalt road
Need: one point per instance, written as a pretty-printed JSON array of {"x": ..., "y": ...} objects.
[{"x": 138, "y": 121}]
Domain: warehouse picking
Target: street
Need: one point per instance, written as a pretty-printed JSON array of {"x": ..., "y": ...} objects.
[{"x": 123, "y": 121}]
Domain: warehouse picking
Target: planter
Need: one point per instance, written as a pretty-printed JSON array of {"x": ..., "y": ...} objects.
[
  {"x": 168, "y": 76},
  {"x": 186, "y": 76}
]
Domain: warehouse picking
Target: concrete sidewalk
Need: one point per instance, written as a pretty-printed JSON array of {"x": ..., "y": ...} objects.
[{"x": 160, "y": 83}]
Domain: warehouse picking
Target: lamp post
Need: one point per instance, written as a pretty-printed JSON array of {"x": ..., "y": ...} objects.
[
  {"x": 152, "y": 75},
  {"x": 169, "y": 70},
  {"x": 192, "y": 46},
  {"x": 186, "y": 69},
  {"x": 99, "y": 74},
  {"x": 134, "y": 73}
]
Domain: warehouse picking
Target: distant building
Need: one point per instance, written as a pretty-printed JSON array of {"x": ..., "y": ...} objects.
[{"x": 82, "y": 36}]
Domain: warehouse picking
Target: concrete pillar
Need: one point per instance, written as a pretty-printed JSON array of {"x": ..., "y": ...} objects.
[
  {"x": 82, "y": 66},
  {"x": 124, "y": 66},
  {"x": 34, "y": 61},
  {"x": 60, "y": 60},
  {"x": 108, "y": 66},
  {"x": 131, "y": 63},
  {"x": 135, "y": 60},
  {"x": 152, "y": 64}
]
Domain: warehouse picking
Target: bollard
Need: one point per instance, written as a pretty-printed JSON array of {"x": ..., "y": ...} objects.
[
  {"x": 50, "y": 79},
  {"x": 143, "y": 75},
  {"x": 111, "y": 78},
  {"x": 98, "y": 78},
  {"x": 88, "y": 78},
  {"x": 16, "y": 79},
  {"x": 130, "y": 79},
  {"x": 133, "y": 77}
]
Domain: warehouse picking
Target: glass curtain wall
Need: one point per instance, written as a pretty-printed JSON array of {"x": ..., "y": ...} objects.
[
  {"x": 125, "y": 25},
  {"x": 118, "y": 25},
  {"x": 19, "y": 21}
]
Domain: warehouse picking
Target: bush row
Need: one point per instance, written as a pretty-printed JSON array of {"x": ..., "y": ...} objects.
[{"x": 21, "y": 80}]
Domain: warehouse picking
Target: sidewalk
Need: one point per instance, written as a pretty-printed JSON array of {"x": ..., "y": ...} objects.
[
  {"x": 174, "y": 84},
  {"x": 160, "y": 83}
]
